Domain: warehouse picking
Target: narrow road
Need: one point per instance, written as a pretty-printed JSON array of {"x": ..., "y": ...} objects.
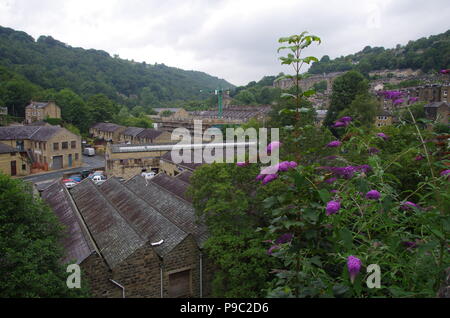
[{"x": 44, "y": 179}]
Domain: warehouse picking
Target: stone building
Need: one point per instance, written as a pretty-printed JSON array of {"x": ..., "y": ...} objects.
[
  {"x": 438, "y": 111},
  {"x": 38, "y": 111},
  {"x": 13, "y": 162},
  {"x": 153, "y": 136},
  {"x": 309, "y": 81},
  {"x": 132, "y": 239},
  {"x": 106, "y": 132},
  {"x": 50, "y": 146},
  {"x": 127, "y": 160},
  {"x": 384, "y": 119}
]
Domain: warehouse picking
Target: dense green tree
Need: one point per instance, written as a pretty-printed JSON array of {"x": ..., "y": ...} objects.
[
  {"x": 74, "y": 110},
  {"x": 101, "y": 108},
  {"x": 345, "y": 88},
  {"x": 362, "y": 109},
  {"x": 29, "y": 245},
  {"x": 245, "y": 97},
  {"x": 50, "y": 63}
]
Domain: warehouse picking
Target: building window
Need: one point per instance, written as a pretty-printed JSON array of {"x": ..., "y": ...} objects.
[
  {"x": 24, "y": 167},
  {"x": 65, "y": 145},
  {"x": 76, "y": 156},
  {"x": 56, "y": 146},
  {"x": 44, "y": 144},
  {"x": 180, "y": 284},
  {"x": 137, "y": 161},
  {"x": 73, "y": 144}
]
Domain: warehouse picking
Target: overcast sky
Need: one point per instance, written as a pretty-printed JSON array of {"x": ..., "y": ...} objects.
[{"x": 235, "y": 40}]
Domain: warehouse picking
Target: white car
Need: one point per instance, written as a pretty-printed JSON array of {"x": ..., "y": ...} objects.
[
  {"x": 99, "y": 179},
  {"x": 70, "y": 184}
]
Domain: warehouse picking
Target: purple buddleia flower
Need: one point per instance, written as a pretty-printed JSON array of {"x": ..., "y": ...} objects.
[
  {"x": 382, "y": 135},
  {"x": 241, "y": 164},
  {"x": 353, "y": 266},
  {"x": 445, "y": 172},
  {"x": 287, "y": 237},
  {"x": 284, "y": 166},
  {"x": 373, "y": 150},
  {"x": 333, "y": 207},
  {"x": 335, "y": 143},
  {"x": 373, "y": 195},
  {"x": 339, "y": 124},
  {"x": 398, "y": 101},
  {"x": 273, "y": 146},
  {"x": 407, "y": 205},
  {"x": 409, "y": 244},
  {"x": 272, "y": 249},
  {"x": 293, "y": 164},
  {"x": 334, "y": 191},
  {"x": 346, "y": 119},
  {"x": 268, "y": 178},
  {"x": 260, "y": 177},
  {"x": 364, "y": 168},
  {"x": 418, "y": 158},
  {"x": 330, "y": 180},
  {"x": 412, "y": 100},
  {"x": 447, "y": 71}
]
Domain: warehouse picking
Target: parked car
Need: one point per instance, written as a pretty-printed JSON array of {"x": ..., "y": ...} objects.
[
  {"x": 70, "y": 184},
  {"x": 99, "y": 179},
  {"x": 76, "y": 177},
  {"x": 85, "y": 173},
  {"x": 89, "y": 152},
  {"x": 96, "y": 173}
]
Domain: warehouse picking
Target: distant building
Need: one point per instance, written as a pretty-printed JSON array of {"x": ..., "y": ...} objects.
[
  {"x": 133, "y": 239},
  {"x": 13, "y": 162},
  {"x": 127, "y": 160},
  {"x": 38, "y": 111},
  {"x": 383, "y": 119},
  {"x": 3, "y": 111},
  {"x": 106, "y": 132},
  {"x": 52, "y": 147},
  {"x": 438, "y": 111}
]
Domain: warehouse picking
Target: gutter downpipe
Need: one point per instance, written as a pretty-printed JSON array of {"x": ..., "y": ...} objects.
[
  {"x": 201, "y": 275},
  {"x": 123, "y": 288},
  {"x": 161, "y": 275}
]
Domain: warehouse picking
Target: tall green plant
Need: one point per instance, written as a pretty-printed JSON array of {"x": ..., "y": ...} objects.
[{"x": 296, "y": 44}]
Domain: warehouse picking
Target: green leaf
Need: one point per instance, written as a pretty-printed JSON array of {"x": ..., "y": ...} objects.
[{"x": 324, "y": 195}]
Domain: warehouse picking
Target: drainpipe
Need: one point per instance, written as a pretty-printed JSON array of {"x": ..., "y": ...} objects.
[
  {"x": 161, "y": 274},
  {"x": 201, "y": 275},
  {"x": 123, "y": 288}
]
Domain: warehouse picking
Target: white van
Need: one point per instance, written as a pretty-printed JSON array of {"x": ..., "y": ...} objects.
[{"x": 89, "y": 151}]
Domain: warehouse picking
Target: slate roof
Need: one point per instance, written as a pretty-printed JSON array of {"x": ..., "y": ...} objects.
[
  {"x": 44, "y": 133},
  {"x": 242, "y": 113},
  {"x": 37, "y": 133},
  {"x": 185, "y": 176},
  {"x": 173, "y": 185},
  {"x": 191, "y": 166},
  {"x": 107, "y": 127},
  {"x": 7, "y": 149},
  {"x": 132, "y": 131},
  {"x": 149, "y": 133},
  {"x": 176, "y": 209},
  {"x": 76, "y": 242},
  {"x": 115, "y": 238},
  {"x": 143, "y": 217},
  {"x": 437, "y": 104},
  {"x": 37, "y": 105},
  {"x": 17, "y": 132}
]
